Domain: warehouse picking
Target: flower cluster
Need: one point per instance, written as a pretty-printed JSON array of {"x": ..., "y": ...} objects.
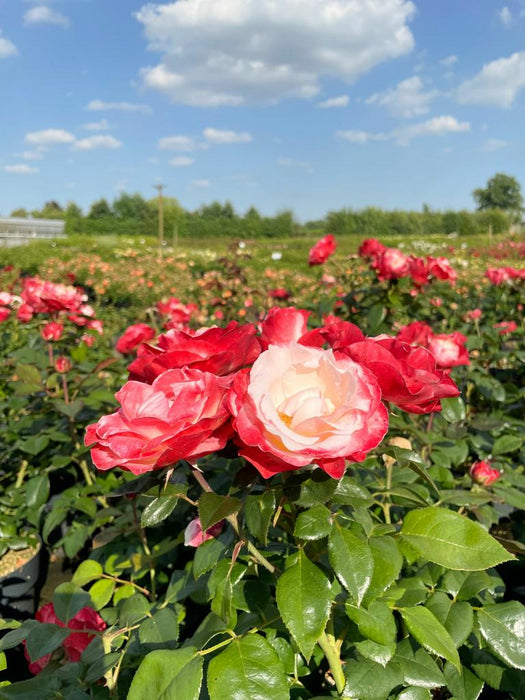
[
  {"x": 448, "y": 349},
  {"x": 58, "y": 302},
  {"x": 285, "y": 396},
  {"x": 500, "y": 275},
  {"x": 175, "y": 314},
  {"x": 393, "y": 264},
  {"x": 322, "y": 250},
  {"x": 83, "y": 627}
]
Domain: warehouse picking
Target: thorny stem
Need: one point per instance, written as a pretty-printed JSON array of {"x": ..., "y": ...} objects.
[
  {"x": 147, "y": 550},
  {"x": 329, "y": 646},
  {"x": 21, "y": 474}
]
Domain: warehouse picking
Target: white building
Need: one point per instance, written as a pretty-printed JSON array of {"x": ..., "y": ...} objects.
[{"x": 16, "y": 231}]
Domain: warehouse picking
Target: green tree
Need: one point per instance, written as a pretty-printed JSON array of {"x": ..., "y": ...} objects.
[
  {"x": 20, "y": 213},
  {"x": 502, "y": 192},
  {"x": 100, "y": 209}
]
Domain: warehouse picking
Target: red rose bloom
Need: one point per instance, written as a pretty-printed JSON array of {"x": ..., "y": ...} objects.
[
  {"x": 322, "y": 250},
  {"x": 134, "y": 335},
  {"x": 4, "y": 313},
  {"x": 407, "y": 375},
  {"x": 482, "y": 473},
  {"x": 415, "y": 333},
  {"x": 391, "y": 264},
  {"x": 506, "y": 327},
  {"x": 449, "y": 349},
  {"x": 220, "y": 351},
  {"x": 281, "y": 326},
  {"x": 418, "y": 270},
  {"x": 52, "y": 331},
  {"x": 74, "y": 645},
  {"x": 441, "y": 269},
  {"x": 62, "y": 364},
  {"x": 182, "y": 415},
  {"x": 371, "y": 248}
]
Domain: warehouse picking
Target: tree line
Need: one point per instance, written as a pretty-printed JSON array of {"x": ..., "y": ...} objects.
[{"x": 499, "y": 205}]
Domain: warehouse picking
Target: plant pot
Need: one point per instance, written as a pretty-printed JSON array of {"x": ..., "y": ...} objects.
[{"x": 18, "y": 582}]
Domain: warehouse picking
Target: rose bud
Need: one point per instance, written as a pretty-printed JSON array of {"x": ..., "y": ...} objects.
[
  {"x": 482, "y": 473},
  {"x": 63, "y": 364}
]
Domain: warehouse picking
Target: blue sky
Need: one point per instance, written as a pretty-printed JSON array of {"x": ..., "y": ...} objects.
[{"x": 311, "y": 105}]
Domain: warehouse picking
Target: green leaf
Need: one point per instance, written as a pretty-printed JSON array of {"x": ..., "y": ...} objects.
[
  {"x": 414, "y": 694},
  {"x": 34, "y": 444},
  {"x": 258, "y": 511},
  {"x": 314, "y": 523},
  {"x": 377, "y": 623},
  {"x": 318, "y": 488},
  {"x": 430, "y": 633},
  {"x": 157, "y": 511},
  {"x": 303, "y": 598},
  {"x": 456, "y": 617},
  {"x": 380, "y": 653},
  {"x": 168, "y": 674},
  {"x": 387, "y": 565},
  {"x": 451, "y": 540},
  {"x": 506, "y": 443},
  {"x": 162, "y": 628},
  {"x": 68, "y": 599},
  {"x": 214, "y": 508},
  {"x": 101, "y": 666},
  {"x": 248, "y": 669},
  {"x": 349, "y": 493},
  {"x": 45, "y": 638},
  {"x": 453, "y": 410},
  {"x": 207, "y": 555},
  {"x": 418, "y": 667},
  {"x": 37, "y": 491},
  {"x": 366, "y": 680},
  {"x": 86, "y": 572},
  {"x": 414, "y": 462},
  {"x": 101, "y": 592},
  {"x": 351, "y": 560},
  {"x": 28, "y": 374},
  {"x": 503, "y": 628},
  {"x": 464, "y": 685},
  {"x": 134, "y": 609}
]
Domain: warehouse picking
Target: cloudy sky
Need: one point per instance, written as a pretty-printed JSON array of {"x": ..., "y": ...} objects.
[{"x": 305, "y": 104}]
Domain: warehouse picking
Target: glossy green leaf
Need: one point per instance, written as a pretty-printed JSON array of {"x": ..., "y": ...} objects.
[
  {"x": 207, "y": 555},
  {"x": 68, "y": 599},
  {"x": 453, "y": 410},
  {"x": 418, "y": 668},
  {"x": 158, "y": 510},
  {"x": 101, "y": 592},
  {"x": 258, "y": 511},
  {"x": 37, "y": 491},
  {"x": 352, "y": 561},
  {"x": 303, "y": 599},
  {"x": 503, "y": 628},
  {"x": 387, "y": 565},
  {"x": 214, "y": 508},
  {"x": 162, "y": 629},
  {"x": 314, "y": 523},
  {"x": 456, "y": 617},
  {"x": 430, "y": 633},
  {"x": 366, "y": 680},
  {"x": 451, "y": 540},
  {"x": 45, "y": 638},
  {"x": 506, "y": 443},
  {"x": 464, "y": 685},
  {"x": 414, "y": 693},
  {"x": 168, "y": 674},
  {"x": 380, "y": 653},
  {"x": 350, "y": 493},
  {"x": 248, "y": 669},
  {"x": 377, "y": 623}
]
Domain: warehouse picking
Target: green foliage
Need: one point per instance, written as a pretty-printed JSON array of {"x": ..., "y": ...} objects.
[{"x": 502, "y": 192}]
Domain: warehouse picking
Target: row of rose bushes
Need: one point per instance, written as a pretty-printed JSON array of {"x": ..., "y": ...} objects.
[{"x": 386, "y": 544}]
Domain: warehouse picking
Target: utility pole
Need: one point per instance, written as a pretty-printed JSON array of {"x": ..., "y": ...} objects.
[{"x": 161, "y": 215}]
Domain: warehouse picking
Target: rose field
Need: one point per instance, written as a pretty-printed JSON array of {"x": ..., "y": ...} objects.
[{"x": 263, "y": 469}]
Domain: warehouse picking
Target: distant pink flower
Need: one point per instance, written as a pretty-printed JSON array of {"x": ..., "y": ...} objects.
[
  {"x": 322, "y": 250},
  {"x": 506, "y": 327}
]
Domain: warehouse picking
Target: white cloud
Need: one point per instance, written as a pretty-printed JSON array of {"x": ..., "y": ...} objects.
[
  {"x": 101, "y": 106},
  {"x": 37, "y": 154},
  {"x": 47, "y": 137},
  {"x": 177, "y": 143},
  {"x": 334, "y": 102},
  {"x": 102, "y": 125},
  {"x": 7, "y": 48},
  {"x": 497, "y": 83},
  {"x": 99, "y": 141},
  {"x": 291, "y": 163},
  {"x": 491, "y": 145},
  {"x": 437, "y": 126},
  {"x": 236, "y": 52},
  {"x": 181, "y": 161},
  {"x": 41, "y": 14},
  {"x": 356, "y": 136},
  {"x": 20, "y": 169},
  {"x": 200, "y": 183},
  {"x": 449, "y": 61},
  {"x": 406, "y": 100},
  {"x": 223, "y": 137},
  {"x": 505, "y": 16}
]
